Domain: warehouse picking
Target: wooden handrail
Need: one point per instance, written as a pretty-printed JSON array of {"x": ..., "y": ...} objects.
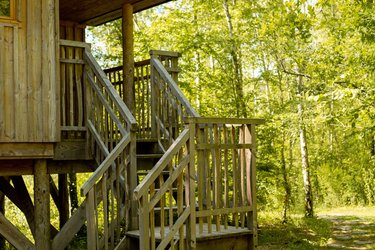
[
  {"x": 105, "y": 165},
  {"x": 75, "y": 44},
  {"x": 136, "y": 64},
  {"x": 120, "y": 105},
  {"x": 173, "y": 86},
  {"x": 226, "y": 121}
]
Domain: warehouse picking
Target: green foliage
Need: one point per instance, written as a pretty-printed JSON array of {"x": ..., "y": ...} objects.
[{"x": 4, "y": 7}]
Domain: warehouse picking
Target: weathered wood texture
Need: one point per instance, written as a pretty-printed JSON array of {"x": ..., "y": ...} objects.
[
  {"x": 112, "y": 138},
  {"x": 28, "y": 72},
  {"x": 42, "y": 205},
  {"x": 169, "y": 106},
  {"x": 142, "y": 89},
  {"x": 72, "y": 89},
  {"x": 160, "y": 106},
  {"x": 171, "y": 176}
]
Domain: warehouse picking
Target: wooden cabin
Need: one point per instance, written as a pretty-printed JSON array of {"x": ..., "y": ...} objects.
[{"x": 159, "y": 175}]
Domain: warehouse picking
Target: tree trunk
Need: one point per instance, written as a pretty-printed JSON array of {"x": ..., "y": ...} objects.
[
  {"x": 235, "y": 55},
  {"x": 285, "y": 180},
  {"x": 309, "y": 210}
]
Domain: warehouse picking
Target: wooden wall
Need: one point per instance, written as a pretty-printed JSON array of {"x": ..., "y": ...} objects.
[{"x": 29, "y": 86}]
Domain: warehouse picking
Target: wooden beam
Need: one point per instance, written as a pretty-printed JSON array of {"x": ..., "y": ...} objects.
[
  {"x": 13, "y": 235},
  {"x": 26, "y": 150},
  {"x": 25, "y": 202},
  {"x": 63, "y": 199},
  {"x": 16, "y": 167},
  {"x": 42, "y": 206},
  {"x": 16, "y": 198},
  {"x": 128, "y": 56}
]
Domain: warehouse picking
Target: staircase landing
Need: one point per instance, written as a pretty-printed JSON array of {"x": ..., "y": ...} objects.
[{"x": 230, "y": 238}]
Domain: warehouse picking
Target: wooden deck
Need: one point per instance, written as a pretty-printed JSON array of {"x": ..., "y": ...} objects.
[
  {"x": 227, "y": 238},
  {"x": 227, "y": 232}
]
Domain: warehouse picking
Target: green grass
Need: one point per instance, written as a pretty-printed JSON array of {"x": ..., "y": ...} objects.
[
  {"x": 298, "y": 233},
  {"x": 317, "y": 233}
]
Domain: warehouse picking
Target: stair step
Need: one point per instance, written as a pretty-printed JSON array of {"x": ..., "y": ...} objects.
[
  {"x": 149, "y": 156},
  {"x": 147, "y": 140},
  {"x": 146, "y": 172}
]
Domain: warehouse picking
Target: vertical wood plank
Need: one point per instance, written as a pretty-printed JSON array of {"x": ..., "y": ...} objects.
[
  {"x": 235, "y": 178},
  {"x": 9, "y": 91},
  {"x": 2, "y": 80},
  {"x": 242, "y": 173},
  {"x": 144, "y": 241},
  {"x": 253, "y": 219},
  {"x": 201, "y": 176},
  {"x": 91, "y": 219},
  {"x": 105, "y": 211},
  {"x": 191, "y": 227},
  {"x": 226, "y": 176}
]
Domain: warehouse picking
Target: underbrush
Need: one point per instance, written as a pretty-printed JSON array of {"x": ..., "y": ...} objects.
[{"x": 298, "y": 233}]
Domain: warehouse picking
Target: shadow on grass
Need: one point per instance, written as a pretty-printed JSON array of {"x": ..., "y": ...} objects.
[{"x": 298, "y": 233}]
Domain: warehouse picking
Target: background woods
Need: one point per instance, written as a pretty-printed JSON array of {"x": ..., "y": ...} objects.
[{"x": 306, "y": 66}]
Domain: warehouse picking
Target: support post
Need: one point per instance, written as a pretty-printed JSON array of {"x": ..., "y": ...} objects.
[
  {"x": 42, "y": 206},
  {"x": 63, "y": 199},
  {"x": 128, "y": 56},
  {"x": 132, "y": 181}
]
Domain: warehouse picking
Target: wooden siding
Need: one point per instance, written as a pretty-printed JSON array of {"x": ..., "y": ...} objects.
[{"x": 29, "y": 97}]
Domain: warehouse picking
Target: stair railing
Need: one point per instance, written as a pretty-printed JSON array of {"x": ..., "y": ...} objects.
[
  {"x": 112, "y": 140},
  {"x": 142, "y": 96},
  {"x": 169, "y": 106},
  {"x": 173, "y": 174}
]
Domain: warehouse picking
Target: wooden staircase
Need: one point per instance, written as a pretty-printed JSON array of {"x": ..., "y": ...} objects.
[{"x": 166, "y": 178}]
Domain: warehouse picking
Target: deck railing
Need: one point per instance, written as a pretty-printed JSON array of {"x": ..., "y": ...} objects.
[
  {"x": 162, "y": 65},
  {"x": 225, "y": 167},
  {"x": 73, "y": 115},
  {"x": 142, "y": 93}
]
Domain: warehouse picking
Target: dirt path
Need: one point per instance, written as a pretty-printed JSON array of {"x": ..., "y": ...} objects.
[{"x": 351, "y": 232}]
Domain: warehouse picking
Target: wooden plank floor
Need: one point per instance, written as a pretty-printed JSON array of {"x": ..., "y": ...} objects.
[{"x": 224, "y": 233}]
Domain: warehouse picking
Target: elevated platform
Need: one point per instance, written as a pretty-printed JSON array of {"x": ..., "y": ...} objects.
[{"x": 226, "y": 238}]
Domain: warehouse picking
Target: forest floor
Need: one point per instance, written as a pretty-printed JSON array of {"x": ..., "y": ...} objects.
[{"x": 344, "y": 228}]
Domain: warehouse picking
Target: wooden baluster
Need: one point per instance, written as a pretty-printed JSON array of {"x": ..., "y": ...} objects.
[
  {"x": 253, "y": 218},
  {"x": 235, "y": 178},
  {"x": 208, "y": 178},
  {"x": 91, "y": 220},
  {"x": 105, "y": 210},
  {"x": 243, "y": 176},
  {"x": 201, "y": 175},
  {"x": 144, "y": 220},
  {"x": 152, "y": 219},
  {"x": 180, "y": 199},
  {"x": 226, "y": 175},
  {"x": 162, "y": 209}
]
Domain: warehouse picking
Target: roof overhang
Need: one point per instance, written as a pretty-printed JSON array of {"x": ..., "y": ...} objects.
[{"x": 96, "y": 12}]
